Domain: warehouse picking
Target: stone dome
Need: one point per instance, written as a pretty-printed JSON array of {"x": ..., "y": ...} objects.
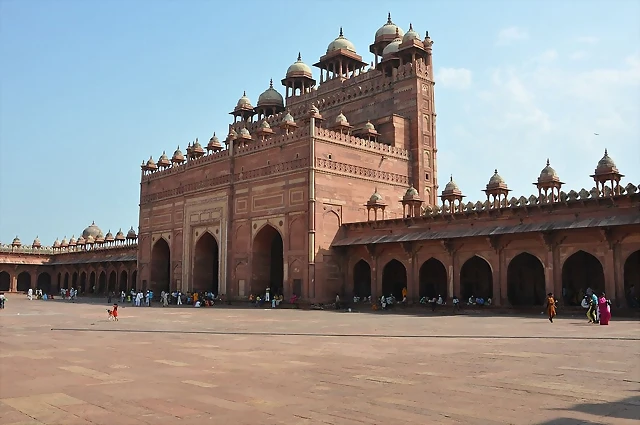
[
  {"x": 36, "y": 243},
  {"x": 412, "y": 191},
  {"x": 606, "y": 164},
  {"x": 163, "y": 161},
  {"x": 451, "y": 186},
  {"x": 72, "y": 241},
  {"x": 264, "y": 124},
  {"x": 56, "y": 243},
  {"x": 299, "y": 68},
  {"x": 177, "y": 155},
  {"x": 392, "y": 47},
  {"x": 151, "y": 163},
  {"x": 90, "y": 240},
  {"x": 244, "y": 102},
  {"x": 197, "y": 147},
  {"x": 120, "y": 235},
  {"x": 288, "y": 118},
  {"x": 16, "y": 242},
  {"x": 389, "y": 29},
  {"x": 81, "y": 241},
  {"x": 496, "y": 180},
  {"x": 214, "y": 142},
  {"x": 271, "y": 97},
  {"x": 410, "y": 35},
  {"x": 92, "y": 230},
  {"x": 131, "y": 234},
  {"x": 109, "y": 237},
  {"x": 232, "y": 134},
  {"x": 341, "y": 43},
  {"x": 369, "y": 126},
  {"x": 375, "y": 197},
  {"x": 244, "y": 133},
  {"x": 100, "y": 237},
  {"x": 341, "y": 119},
  {"x": 64, "y": 243},
  {"x": 548, "y": 173}
]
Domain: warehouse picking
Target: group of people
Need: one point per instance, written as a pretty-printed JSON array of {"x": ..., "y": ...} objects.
[
  {"x": 70, "y": 294},
  {"x": 598, "y": 308},
  {"x": 269, "y": 298}
]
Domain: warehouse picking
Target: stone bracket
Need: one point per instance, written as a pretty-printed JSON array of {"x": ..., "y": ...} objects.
[
  {"x": 551, "y": 240},
  {"x": 408, "y": 248},
  {"x": 609, "y": 236},
  {"x": 450, "y": 246}
]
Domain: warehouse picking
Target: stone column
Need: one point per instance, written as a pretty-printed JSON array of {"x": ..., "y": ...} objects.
[
  {"x": 13, "y": 284},
  {"x": 500, "y": 290}
]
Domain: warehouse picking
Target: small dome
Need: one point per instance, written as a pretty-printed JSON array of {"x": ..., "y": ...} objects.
[
  {"x": 392, "y": 47},
  {"x": 151, "y": 164},
  {"x": 288, "y": 118},
  {"x": 548, "y": 173},
  {"x": 369, "y": 126},
  {"x": 177, "y": 155},
  {"x": 299, "y": 68},
  {"x": 109, "y": 237},
  {"x": 197, "y": 147},
  {"x": 90, "y": 240},
  {"x": 389, "y": 29},
  {"x": 451, "y": 186},
  {"x": 232, "y": 135},
  {"x": 341, "y": 43},
  {"x": 16, "y": 242},
  {"x": 410, "y": 35},
  {"x": 264, "y": 124},
  {"x": 606, "y": 164},
  {"x": 163, "y": 161},
  {"x": 92, "y": 230},
  {"x": 341, "y": 119},
  {"x": 64, "y": 243},
  {"x": 244, "y": 132},
  {"x": 411, "y": 192},
  {"x": 214, "y": 142},
  {"x": 496, "y": 179},
  {"x": 36, "y": 243},
  {"x": 81, "y": 241},
  {"x": 244, "y": 102},
  {"x": 131, "y": 234},
  {"x": 271, "y": 97},
  {"x": 72, "y": 241},
  {"x": 56, "y": 243},
  {"x": 100, "y": 237},
  {"x": 120, "y": 235},
  {"x": 375, "y": 197}
]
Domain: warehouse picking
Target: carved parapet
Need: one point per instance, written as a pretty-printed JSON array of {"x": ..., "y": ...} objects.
[{"x": 345, "y": 139}]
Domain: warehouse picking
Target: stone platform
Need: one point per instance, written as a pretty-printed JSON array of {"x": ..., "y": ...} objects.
[{"x": 249, "y": 366}]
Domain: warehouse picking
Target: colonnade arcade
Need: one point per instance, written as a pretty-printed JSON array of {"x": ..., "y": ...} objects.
[
  {"x": 99, "y": 279},
  {"x": 525, "y": 282}
]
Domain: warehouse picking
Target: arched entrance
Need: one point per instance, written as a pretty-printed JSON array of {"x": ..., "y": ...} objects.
[
  {"x": 632, "y": 280},
  {"x": 134, "y": 279},
  {"x": 362, "y": 279},
  {"x": 44, "y": 282},
  {"x": 24, "y": 282},
  {"x": 394, "y": 279},
  {"x": 83, "y": 282},
  {"x": 5, "y": 282},
  {"x": 66, "y": 281},
  {"x": 102, "y": 283},
  {"x": 93, "y": 287},
  {"x": 579, "y": 272},
  {"x": 113, "y": 279},
  {"x": 267, "y": 262},
  {"x": 205, "y": 264},
  {"x": 476, "y": 278},
  {"x": 59, "y": 285},
  {"x": 124, "y": 277},
  {"x": 432, "y": 279},
  {"x": 525, "y": 281},
  {"x": 160, "y": 266}
]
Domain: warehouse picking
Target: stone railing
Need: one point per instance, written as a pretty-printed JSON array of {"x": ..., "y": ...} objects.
[
  {"x": 191, "y": 163},
  {"x": 275, "y": 140},
  {"x": 531, "y": 201},
  {"x": 346, "y": 139},
  {"x": 49, "y": 250}
]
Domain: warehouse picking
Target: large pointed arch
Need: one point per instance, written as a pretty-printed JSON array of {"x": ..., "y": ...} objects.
[
  {"x": 24, "y": 282},
  {"x": 5, "y": 281},
  {"x": 432, "y": 279},
  {"x": 206, "y": 264},
  {"x": 526, "y": 281},
  {"x": 124, "y": 281},
  {"x": 632, "y": 279},
  {"x": 44, "y": 283},
  {"x": 476, "y": 278},
  {"x": 394, "y": 279},
  {"x": 580, "y": 272},
  {"x": 112, "y": 282},
  {"x": 160, "y": 266},
  {"x": 362, "y": 279},
  {"x": 267, "y": 261}
]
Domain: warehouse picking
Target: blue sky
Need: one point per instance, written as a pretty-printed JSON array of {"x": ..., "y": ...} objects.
[{"x": 91, "y": 88}]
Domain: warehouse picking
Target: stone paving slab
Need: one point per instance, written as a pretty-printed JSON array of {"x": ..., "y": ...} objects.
[{"x": 199, "y": 366}]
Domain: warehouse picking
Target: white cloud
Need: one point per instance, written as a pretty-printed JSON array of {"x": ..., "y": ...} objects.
[
  {"x": 456, "y": 78},
  {"x": 511, "y": 35},
  {"x": 578, "y": 55},
  {"x": 539, "y": 107},
  {"x": 587, "y": 39}
]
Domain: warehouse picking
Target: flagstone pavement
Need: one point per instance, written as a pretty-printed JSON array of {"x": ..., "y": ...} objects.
[{"x": 393, "y": 369}]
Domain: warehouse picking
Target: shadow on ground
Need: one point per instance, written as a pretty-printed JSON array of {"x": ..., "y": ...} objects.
[{"x": 627, "y": 408}]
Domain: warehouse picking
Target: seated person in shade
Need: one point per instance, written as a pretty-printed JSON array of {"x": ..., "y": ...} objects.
[
  {"x": 488, "y": 301},
  {"x": 472, "y": 300},
  {"x": 480, "y": 301},
  {"x": 440, "y": 301},
  {"x": 424, "y": 300}
]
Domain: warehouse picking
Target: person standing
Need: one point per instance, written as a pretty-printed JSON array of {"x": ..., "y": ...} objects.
[
  {"x": 30, "y": 294},
  {"x": 551, "y": 306},
  {"x": 604, "y": 307},
  {"x": 593, "y": 306}
]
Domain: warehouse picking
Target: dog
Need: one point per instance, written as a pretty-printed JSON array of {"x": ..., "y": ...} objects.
[{"x": 110, "y": 313}]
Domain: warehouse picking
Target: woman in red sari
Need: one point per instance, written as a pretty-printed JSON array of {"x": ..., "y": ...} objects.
[{"x": 605, "y": 309}]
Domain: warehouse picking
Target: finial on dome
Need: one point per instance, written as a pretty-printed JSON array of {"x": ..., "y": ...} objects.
[
  {"x": 340, "y": 31},
  {"x": 410, "y": 26},
  {"x": 93, "y": 222},
  {"x": 548, "y": 162},
  {"x": 451, "y": 179},
  {"x": 427, "y": 36},
  {"x": 605, "y": 152},
  {"x": 495, "y": 171},
  {"x": 244, "y": 92},
  {"x": 389, "y": 18},
  {"x": 271, "y": 83},
  {"x": 299, "y": 56}
]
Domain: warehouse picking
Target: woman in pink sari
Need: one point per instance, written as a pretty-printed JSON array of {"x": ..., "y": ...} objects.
[{"x": 605, "y": 309}]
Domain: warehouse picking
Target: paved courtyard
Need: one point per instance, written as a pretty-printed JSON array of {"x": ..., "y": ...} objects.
[{"x": 210, "y": 366}]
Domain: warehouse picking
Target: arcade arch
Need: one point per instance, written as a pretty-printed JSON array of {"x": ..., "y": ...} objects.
[
  {"x": 267, "y": 262},
  {"x": 160, "y": 266},
  {"x": 525, "y": 281},
  {"x": 43, "y": 282},
  {"x": 5, "y": 282},
  {"x": 632, "y": 279},
  {"x": 432, "y": 279},
  {"x": 124, "y": 280},
  {"x": 394, "y": 279},
  {"x": 362, "y": 279},
  {"x": 92, "y": 283},
  {"x": 24, "y": 282},
  {"x": 476, "y": 278},
  {"x": 113, "y": 280},
  {"x": 579, "y": 272},
  {"x": 102, "y": 282},
  {"x": 206, "y": 264}
]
